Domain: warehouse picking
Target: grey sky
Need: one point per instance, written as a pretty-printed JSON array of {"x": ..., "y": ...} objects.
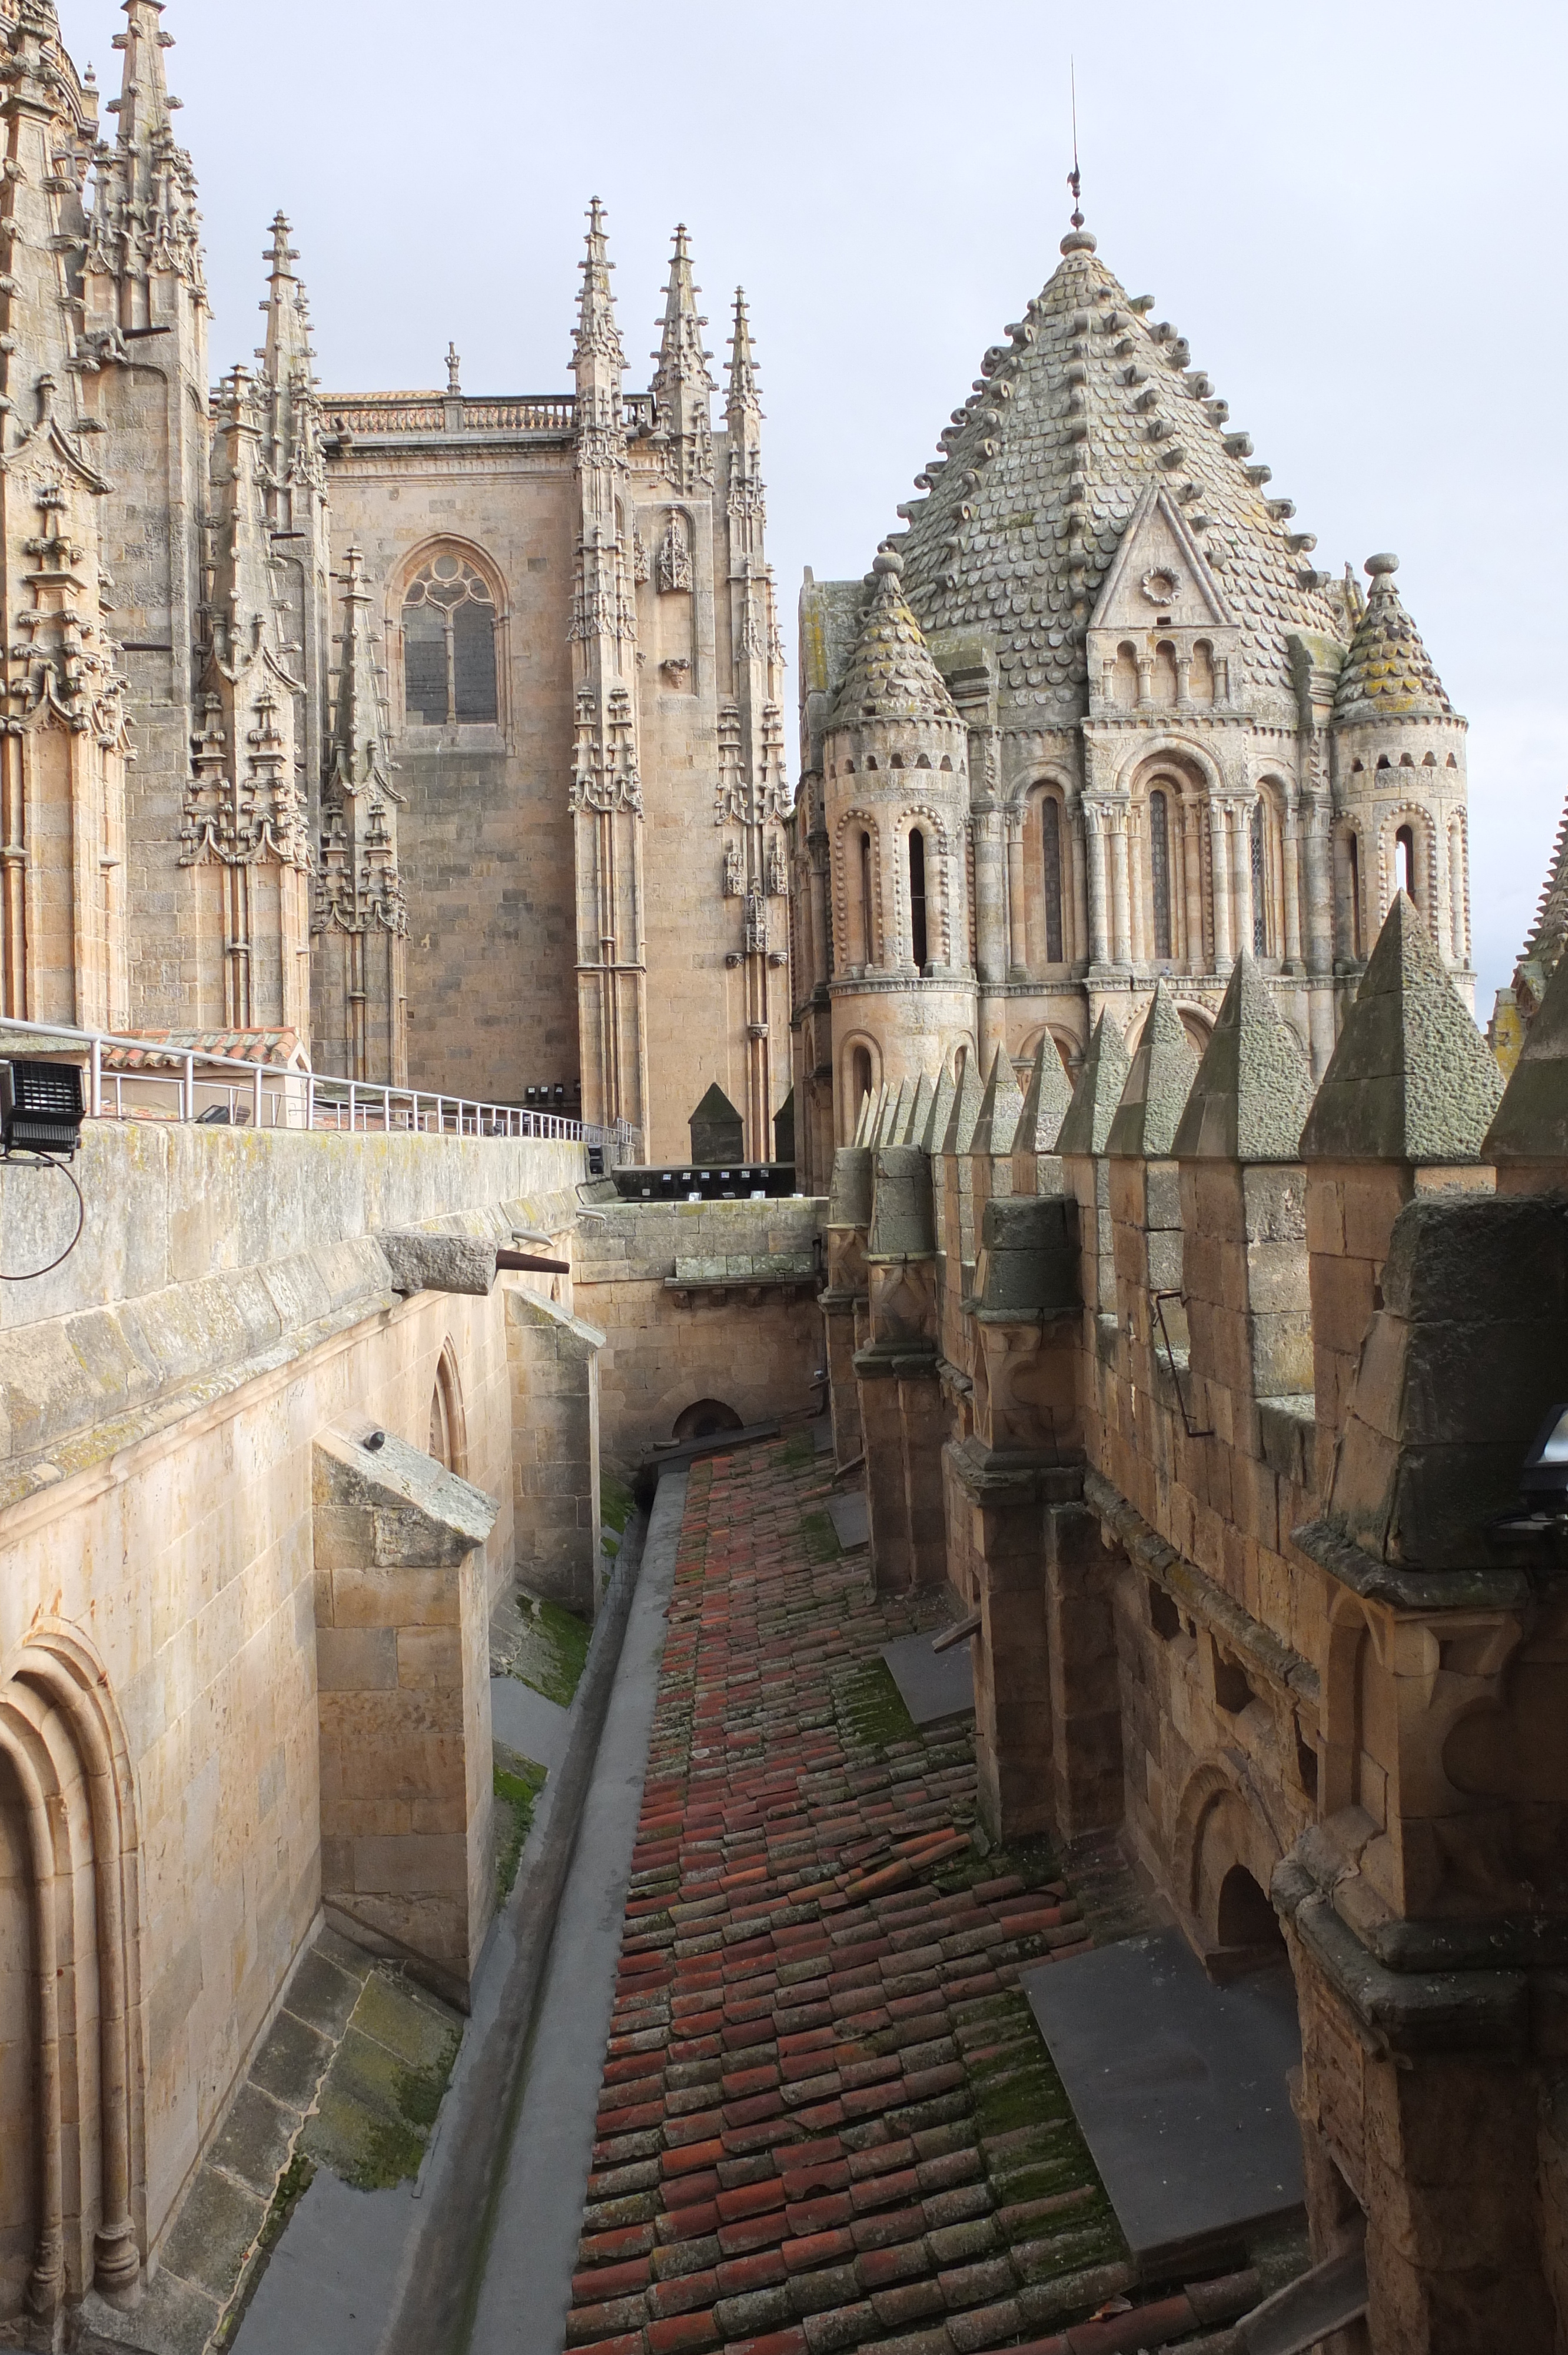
[{"x": 1354, "y": 214}]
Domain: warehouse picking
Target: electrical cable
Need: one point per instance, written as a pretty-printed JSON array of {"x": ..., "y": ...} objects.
[{"x": 33, "y": 1275}]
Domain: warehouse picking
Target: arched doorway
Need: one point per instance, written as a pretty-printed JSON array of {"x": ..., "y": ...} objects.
[{"x": 706, "y": 1420}]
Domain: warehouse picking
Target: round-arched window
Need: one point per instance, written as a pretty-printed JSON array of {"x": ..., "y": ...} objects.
[{"x": 449, "y": 646}]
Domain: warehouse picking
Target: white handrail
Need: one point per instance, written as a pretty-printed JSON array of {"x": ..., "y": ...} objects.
[{"x": 316, "y": 1093}]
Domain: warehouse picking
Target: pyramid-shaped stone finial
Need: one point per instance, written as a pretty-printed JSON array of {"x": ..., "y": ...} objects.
[
  {"x": 890, "y": 674},
  {"x": 1388, "y": 673},
  {"x": 1001, "y": 1107},
  {"x": 967, "y": 1097},
  {"x": 895, "y": 1127},
  {"x": 1045, "y": 1101},
  {"x": 1531, "y": 1122},
  {"x": 1254, "y": 1088},
  {"x": 1412, "y": 1078},
  {"x": 920, "y": 1119},
  {"x": 933, "y": 1135},
  {"x": 1158, "y": 1085},
  {"x": 1087, "y": 1124}
]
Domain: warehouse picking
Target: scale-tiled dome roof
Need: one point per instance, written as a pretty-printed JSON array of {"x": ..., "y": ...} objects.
[
  {"x": 891, "y": 675},
  {"x": 1388, "y": 673},
  {"x": 1044, "y": 465}
]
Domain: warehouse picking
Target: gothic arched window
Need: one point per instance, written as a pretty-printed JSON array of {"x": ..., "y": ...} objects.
[
  {"x": 449, "y": 646},
  {"x": 1051, "y": 860},
  {"x": 867, "y": 924},
  {"x": 1160, "y": 870},
  {"x": 1404, "y": 861}
]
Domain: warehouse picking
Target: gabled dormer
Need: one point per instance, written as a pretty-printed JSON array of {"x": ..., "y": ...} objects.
[{"x": 1162, "y": 635}]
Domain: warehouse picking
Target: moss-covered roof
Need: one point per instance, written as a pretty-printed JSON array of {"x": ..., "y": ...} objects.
[{"x": 1388, "y": 673}]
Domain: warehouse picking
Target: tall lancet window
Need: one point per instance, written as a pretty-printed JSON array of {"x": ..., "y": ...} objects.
[
  {"x": 1404, "y": 861},
  {"x": 448, "y": 646},
  {"x": 1050, "y": 859},
  {"x": 1160, "y": 870},
  {"x": 867, "y": 931},
  {"x": 1259, "y": 885},
  {"x": 917, "y": 940}
]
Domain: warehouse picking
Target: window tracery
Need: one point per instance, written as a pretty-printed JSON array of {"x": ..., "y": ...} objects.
[{"x": 449, "y": 646}]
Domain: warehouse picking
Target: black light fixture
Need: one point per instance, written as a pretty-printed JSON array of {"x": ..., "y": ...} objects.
[
  {"x": 1544, "y": 1483},
  {"x": 40, "y": 1108}
]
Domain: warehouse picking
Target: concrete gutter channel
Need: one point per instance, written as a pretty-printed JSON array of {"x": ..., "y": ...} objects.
[{"x": 478, "y": 2251}]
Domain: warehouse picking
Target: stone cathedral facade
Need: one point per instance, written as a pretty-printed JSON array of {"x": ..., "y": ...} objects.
[
  {"x": 443, "y": 733},
  {"x": 1095, "y": 718}
]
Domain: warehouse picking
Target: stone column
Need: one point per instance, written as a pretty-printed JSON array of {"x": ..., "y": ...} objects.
[
  {"x": 1292, "y": 864},
  {"x": 991, "y": 923},
  {"x": 1241, "y": 868},
  {"x": 1017, "y": 902},
  {"x": 1085, "y": 1694},
  {"x": 1220, "y": 847},
  {"x": 1193, "y": 881},
  {"x": 1121, "y": 904},
  {"x": 551, "y": 1363},
  {"x": 1100, "y": 940},
  {"x": 900, "y": 1395},
  {"x": 403, "y": 1685},
  {"x": 849, "y": 1220}
]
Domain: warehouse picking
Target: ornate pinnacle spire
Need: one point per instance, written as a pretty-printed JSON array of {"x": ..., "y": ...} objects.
[
  {"x": 357, "y": 741},
  {"x": 890, "y": 674},
  {"x": 598, "y": 337},
  {"x": 1388, "y": 673},
  {"x": 743, "y": 400},
  {"x": 143, "y": 103},
  {"x": 680, "y": 381},
  {"x": 681, "y": 358},
  {"x": 287, "y": 345}
]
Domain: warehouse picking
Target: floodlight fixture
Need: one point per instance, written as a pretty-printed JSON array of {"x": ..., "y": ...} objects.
[{"x": 41, "y": 1109}]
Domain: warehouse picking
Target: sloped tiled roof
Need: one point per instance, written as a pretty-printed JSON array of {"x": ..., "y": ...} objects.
[
  {"x": 1074, "y": 418},
  {"x": 891, "y": 675},
  {"x": 1388, "y": 673}
]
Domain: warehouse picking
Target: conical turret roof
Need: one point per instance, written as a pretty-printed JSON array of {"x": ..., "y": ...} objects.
[
  {"x": 1001, "y": 1107},
  {"x": 1045, "y": 1101},
  {"x": 1388, "y": 673},
  {"x": 1158, "y": 1085},
  {"x": 1253, "y": 1089},
  {"x": 891, "y": 675},
  {"x": 1044, "y": 465}
]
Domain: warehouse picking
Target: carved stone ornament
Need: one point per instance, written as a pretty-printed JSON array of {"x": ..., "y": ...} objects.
[
  {"x": 1162, "y": 585},
  {"x": 642, "y": 563},
  {"x": 734, "y": 872},
  {"x": 676, "y": 555}
]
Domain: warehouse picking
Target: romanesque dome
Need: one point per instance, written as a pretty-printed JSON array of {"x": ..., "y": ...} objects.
[
  {"x": 1388, "y": 673},
  {"x": 1042, "y": 467}
]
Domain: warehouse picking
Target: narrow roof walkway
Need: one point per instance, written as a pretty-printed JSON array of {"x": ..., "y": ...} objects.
[{"x": 826, "y": 2118}]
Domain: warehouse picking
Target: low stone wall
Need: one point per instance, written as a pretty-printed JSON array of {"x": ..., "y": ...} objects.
[
  {"x": 162, "y": 1399},
  {"x": 743, "y": 1328}
]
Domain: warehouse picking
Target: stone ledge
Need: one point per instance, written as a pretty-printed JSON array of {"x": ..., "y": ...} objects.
[
  {"x": 1193, "y": 1588},
  {"x": 1483, "y": 1588},
  {"x": 1405, "y": 2011}
]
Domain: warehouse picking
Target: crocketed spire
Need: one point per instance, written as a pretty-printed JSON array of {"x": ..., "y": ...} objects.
[
  {"x": 891, "y": 675},
  {"x": 598, "y": 337},
  {"x": 1388, "y": 673},
  {"x": 1044, "y": 466}
]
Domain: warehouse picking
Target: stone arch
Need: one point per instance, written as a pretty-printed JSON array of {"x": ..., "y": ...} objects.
[
  {"x": 72, "y": 1798},
  {"x": 1068, "y": 1045},
  {"x": 1458, "y": 943},
  {"x": 1414, "y": 817},
  {"x": 933, "y": 824},
  {"x": 1274, "y": 800},
  {"x": 401, "y": 579},
  {"x": 1357, "y": 1744},
  {"x": 857, "y": 1079},
  {"x": 849, "y": 921},
  {"x": 1050, "y": 928},
  {"x": 1220, "y": 1828},
  {"x": 705, "y": 1419},
  {"x": 1190, "y": 780},
  {"x": 1353, "y": 925},
  {"x": 449, "y": 1423}
]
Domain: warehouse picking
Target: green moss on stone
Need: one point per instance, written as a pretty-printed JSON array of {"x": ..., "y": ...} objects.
[{"x": 517, "y": 1784}]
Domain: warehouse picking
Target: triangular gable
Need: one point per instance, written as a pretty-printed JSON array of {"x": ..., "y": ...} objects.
[{"x": 1156, "y": 543}]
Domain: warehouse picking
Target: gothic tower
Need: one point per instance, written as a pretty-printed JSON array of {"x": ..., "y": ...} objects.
[
  {"x": 360, "y": 919},
  {"x": 63, "y": 896},
  {"x": 143, "y": 352}
]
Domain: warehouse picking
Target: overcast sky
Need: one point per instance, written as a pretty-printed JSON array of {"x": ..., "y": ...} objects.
[{"x": 1354, "y": 214}]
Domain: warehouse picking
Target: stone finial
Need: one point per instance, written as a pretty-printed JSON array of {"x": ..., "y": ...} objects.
[
  {"x": 920, "y": 1118},
  {"x": 1002, "y": 1107},
  {"x": 869, "y": 1112},
  {"x": 887, "y": 1126},
  {"x": 1158, "y": 1085},
  {"x": 890, "y": 674},
  {"x": 1253, "y": 1087},
  {"x": 1531, "y": 1122},
  {"x": 967, "y": 1095},
  {"x": 1411, "y": 1079},
  {"x": 935, "y": 1133},
  {"x": 1088, "y": 1123},
  {"x": 1045, "y": 1099},
  {"x": 849, "y": 1199}
]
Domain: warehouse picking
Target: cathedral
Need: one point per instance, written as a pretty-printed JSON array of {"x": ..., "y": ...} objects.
[
  {"x": 1093, "y": 718},
  {"x": 443, "y": 733}
]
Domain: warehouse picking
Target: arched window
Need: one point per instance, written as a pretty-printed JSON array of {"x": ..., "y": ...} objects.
[
  {"x": 1354, "y": 856},
  {"x": 449, "y": 646},
  {"x": 1259, "y": 883},
  {"x": 1404, "y": 861},
  {"x": 917, "y": 940},
  {"x": 1050, "y": 862},
  {"x": 1124, "y": 679},
  {"x": 1164, "y": 681},
  {"x": 1160, "y": 870},
  {"x": 1457, "y": 889},
  {"x": 867, "y": 927},
  {"x": 449, "y": 1438}
]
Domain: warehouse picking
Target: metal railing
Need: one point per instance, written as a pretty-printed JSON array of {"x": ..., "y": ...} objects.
[{"x": 278, "y": 1097}]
